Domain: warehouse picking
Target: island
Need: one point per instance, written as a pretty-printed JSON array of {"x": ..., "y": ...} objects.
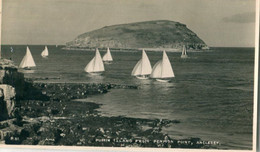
[{"x": 149, "y": 35}]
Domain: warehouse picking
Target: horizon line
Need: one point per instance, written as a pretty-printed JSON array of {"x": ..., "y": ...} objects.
[{"x": 208, "y": 45}]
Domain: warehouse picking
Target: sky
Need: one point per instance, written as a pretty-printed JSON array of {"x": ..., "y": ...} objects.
[{"x": 219, "y": 23}]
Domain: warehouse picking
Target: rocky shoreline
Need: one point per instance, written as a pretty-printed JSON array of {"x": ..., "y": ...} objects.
[{"x": 46, "y": 114}]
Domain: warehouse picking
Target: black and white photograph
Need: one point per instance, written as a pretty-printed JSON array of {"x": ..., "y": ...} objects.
[{"x": 160, "y": 74}]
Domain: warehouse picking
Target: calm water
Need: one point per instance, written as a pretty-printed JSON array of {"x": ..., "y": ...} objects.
[{"x": 211, "y": 95}]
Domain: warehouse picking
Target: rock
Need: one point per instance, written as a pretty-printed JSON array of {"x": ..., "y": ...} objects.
[
  {"x": 62, "y": 135},
  {"x": 101, "y": 130},
  {"x": 7, "y": 101},
  {"x": 9, "y": 75},
  {"x": 5, "y": 64}
]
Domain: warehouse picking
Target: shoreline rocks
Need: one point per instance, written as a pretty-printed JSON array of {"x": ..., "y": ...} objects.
[
  {"x": 45, "y": 114},
  {"x": 69, "y": 91},
  {"x": 7, "y": 101}
]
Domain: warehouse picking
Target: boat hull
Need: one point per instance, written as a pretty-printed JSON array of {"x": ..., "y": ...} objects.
[
  {"x": 142, "y": 77},
  {"x": 107, "y": 62},
  {"x": 184, "y": 56},
  {"x": 95, "y": 73},
  {"x": 28, "y": 68},
  {"x": 163, "y": 80}
]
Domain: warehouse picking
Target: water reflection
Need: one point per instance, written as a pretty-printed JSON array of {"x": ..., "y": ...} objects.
[
  {"x": 142, "y": 81},
  {"x": 163, "y": 88},
  {"x": 99, "y": 78},
  {"x": 27, "y": 71}
]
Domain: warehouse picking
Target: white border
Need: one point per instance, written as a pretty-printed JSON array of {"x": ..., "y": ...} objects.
[
  {"x": 1, "y": 4},
  {"x": 23, "y": 148},
  {"x": 29, "y": 148},
  {"x": 256, "y": 82}
]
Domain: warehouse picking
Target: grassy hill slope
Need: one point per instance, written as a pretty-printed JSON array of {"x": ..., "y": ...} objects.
[{"x": 150, "y": 34}]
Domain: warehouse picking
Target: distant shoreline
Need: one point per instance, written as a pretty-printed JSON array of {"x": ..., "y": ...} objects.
[
  {"x": 62, "y": 46},
  {"x": 136, "y": 50}
]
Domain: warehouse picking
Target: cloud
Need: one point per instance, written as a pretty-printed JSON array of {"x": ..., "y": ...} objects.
[
  {"x": 146, "y": 5},
  {"x": 248, "y": 17}
]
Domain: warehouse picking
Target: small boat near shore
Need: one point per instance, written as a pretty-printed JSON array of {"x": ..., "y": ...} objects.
[
  {"x": 162, "y": 70},
  {"x": 45, "y": 52},
  {"x": 107, "y": 58},
  {"x": 27, "y": 62},
  {"x": 96, "y": 65},
  {"x": 184, "y": 52},
  {"x": 143, "y": 68}
]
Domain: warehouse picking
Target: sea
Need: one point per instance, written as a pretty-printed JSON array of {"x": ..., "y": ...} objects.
[{"x": 211, "y": 94}]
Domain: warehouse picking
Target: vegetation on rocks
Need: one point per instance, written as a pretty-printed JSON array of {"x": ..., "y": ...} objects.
[{"x": 150, "y": 34}]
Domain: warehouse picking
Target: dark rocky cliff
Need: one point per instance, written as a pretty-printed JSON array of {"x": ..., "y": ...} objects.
[
  {"x": 13, "y": 88},
  {"x": 150, "y": 34}
]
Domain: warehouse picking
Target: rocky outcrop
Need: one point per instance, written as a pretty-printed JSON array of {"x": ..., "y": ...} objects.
[
  {"x": 150, "y": 34},
  {"x": 8, "y": 78},
  {"x": 9, "y": 75},
  {"x": 13, "y": 88},
  {"x": 7, "y": 101}
]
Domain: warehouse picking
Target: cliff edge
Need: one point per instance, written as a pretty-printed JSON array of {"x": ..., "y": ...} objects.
[{"x": 13, "y": 88}]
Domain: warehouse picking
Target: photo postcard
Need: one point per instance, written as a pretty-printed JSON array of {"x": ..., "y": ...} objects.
[{"x": 127, "y": 75}]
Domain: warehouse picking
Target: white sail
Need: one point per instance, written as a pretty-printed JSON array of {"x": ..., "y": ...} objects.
[
  {"x": 107, "y": 56},
  {"x": 184, "y": 52},
  {"x": 27, "y": 61},
  {"x": 157, "y": 70},
  {"x": 45, "y": 52},
  {"x": 163, "y": 68},
  {"x": 96, "y": 64},
  {"x": 90, "y": 65},
  {"x": 137, "y": 68},
  {"x": 143, "y": 66}
]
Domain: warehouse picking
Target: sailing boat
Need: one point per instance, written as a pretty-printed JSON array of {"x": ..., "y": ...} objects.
[
  {"x": 95, "y": 66},
  {"x": 107, "y": 58},
  {"x": 184, "y": 52},
  {"x": 27, "y": 61},
  {"x": 162, "y": 70},
  {"x": 143, "y": 68},
  {"x": 45, "y": 52}
]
